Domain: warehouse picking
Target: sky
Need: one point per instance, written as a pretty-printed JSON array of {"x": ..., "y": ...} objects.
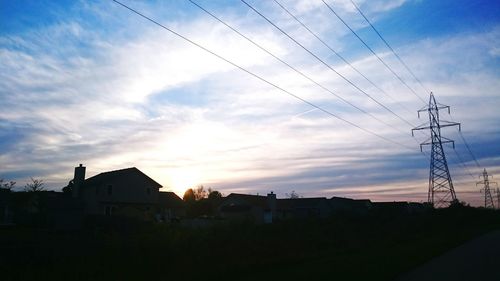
[{"x": 91, "y": 82}]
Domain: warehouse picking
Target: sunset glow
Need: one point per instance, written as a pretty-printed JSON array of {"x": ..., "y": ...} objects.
[{"x": 92, "y": 83}]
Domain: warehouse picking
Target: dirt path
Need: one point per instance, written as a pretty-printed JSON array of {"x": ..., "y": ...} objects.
[{"x": 478, "y": 259}]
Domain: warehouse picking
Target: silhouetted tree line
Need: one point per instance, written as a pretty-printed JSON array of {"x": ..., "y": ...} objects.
[
  {"x": 36, "y": 185},
  {"x": 201, "y": 202},
  {"x": 28, "y": 205},
  {"x": 7, "y": 185}
]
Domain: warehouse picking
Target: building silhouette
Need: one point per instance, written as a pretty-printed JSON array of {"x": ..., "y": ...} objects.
[{"x": 125, "y": 192}]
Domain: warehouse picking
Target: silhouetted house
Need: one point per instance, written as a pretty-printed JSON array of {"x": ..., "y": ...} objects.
[
  {"x": 395, "y": 207},
  {"x": 302, "y": 208},
  {"x": 349, "y": 206},
  {"x": 248, "y": 207},
  {"x": 170, "y": 206},
  {"x": 267, "y": 209},
  {"x": 127, "y": 192}
]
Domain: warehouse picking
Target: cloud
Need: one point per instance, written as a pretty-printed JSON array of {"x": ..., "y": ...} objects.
[{"x": 138, "y": 96}]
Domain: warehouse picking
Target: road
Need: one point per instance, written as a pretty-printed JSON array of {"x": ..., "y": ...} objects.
[{"x": 478, "y": 259}]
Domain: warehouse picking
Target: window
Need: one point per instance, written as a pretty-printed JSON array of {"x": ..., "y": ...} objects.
[{"x": 110, "y": 189}]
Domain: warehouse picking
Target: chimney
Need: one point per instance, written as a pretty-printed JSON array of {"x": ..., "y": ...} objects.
[
  {"x": 78, "y": 180},
  {"x": 271, "y": 203}
]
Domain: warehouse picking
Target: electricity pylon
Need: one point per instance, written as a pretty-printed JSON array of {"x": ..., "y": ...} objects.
[
  {"x": 441, "y": 191},
  {"x": 488, "y": 199}
]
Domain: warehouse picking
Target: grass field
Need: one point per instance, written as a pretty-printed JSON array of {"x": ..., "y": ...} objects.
[{"x": 375, "y": 247}]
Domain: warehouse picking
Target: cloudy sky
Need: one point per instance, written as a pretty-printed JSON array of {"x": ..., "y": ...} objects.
[{"x": 91, "y": 82}]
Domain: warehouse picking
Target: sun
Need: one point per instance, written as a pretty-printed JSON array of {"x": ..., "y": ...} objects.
[{"x": 183, "y": 178}]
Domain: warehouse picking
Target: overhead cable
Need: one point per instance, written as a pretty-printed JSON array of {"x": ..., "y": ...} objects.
[
  {"x": 373, "y": 52},
  {"x": 260, "y": 78},
  {"x": 389, "y": 46}
]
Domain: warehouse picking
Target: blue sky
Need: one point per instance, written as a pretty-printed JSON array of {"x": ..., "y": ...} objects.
[{"x": 89, "y": 82}]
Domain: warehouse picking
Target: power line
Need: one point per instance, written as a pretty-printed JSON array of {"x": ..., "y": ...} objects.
[
  {"x": 290, "y": 66},
  {"x": 259, "y": 77},
  {"x": 463, "y": 163},
  {"x": 324, "y": 63},
  {"x": 389, "y": 46},
  {"x": 470, "y": 151},
  {"x": 345, "y": 61},
  {"x": 418, "y": 80},
  {"x": 468, "y": 147},
  {"x": 373, "y": 52}
]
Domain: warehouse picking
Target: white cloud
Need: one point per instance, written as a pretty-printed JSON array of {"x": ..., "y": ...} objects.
[{"x": 185, "y": 118}]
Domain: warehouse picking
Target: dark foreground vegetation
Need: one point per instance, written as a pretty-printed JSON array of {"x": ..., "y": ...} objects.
[{"x": 374, "y": 247}]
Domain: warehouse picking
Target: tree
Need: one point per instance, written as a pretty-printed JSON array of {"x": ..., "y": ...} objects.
[
  {"x": 35, "y": 185},
  {"x": 7, "y": 185},
  {"x": 201, "y": 202},
  {"x": 214, "y": 195},
  {"x": 69, "y": 188},
  {"x": 200, "y": 192},
  {"x": 189, "y": 196},
  {"x": 293, "y": 195}
]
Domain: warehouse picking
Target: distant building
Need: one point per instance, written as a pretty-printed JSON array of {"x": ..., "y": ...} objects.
[
  {"x": 266, "y": 209},
  {"x": 348, "y": 205},
  {"x": 170, "y": 206},
  {"x": 302, "y": 208},
  {"x": 248, "y": 207},
  {"x": 400, "y": 207}
]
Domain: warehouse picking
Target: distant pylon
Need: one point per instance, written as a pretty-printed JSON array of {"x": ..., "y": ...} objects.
[
  {"x": 441, "y": 192},
  {"x": 488, "y": 199}
]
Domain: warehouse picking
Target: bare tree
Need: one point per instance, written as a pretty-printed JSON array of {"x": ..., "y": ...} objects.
[
  {"x": 293, "y": 195},
  {"x": 200, "y": 192},
  {"x": 35, "y": 185},
  {"x": 7, "y": 185}
]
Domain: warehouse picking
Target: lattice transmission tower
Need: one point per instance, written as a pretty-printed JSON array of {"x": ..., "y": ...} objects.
[
  {"x": 441, "y": 192},
  {"x": 488, "y": 199}
]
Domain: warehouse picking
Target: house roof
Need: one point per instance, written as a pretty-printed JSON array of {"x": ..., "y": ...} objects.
[
  {"x": 298, "y": 203},
  {"x": 262, "y": 201},
  {"x": 170, "y": 199},
  {"x": 394, "y": 204},
  {"x": 335, "y": 198},
  {"x": 349, "y": 201},
  {"x": 121, "y": 175},
  {"x": 248, "y": 199}
]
